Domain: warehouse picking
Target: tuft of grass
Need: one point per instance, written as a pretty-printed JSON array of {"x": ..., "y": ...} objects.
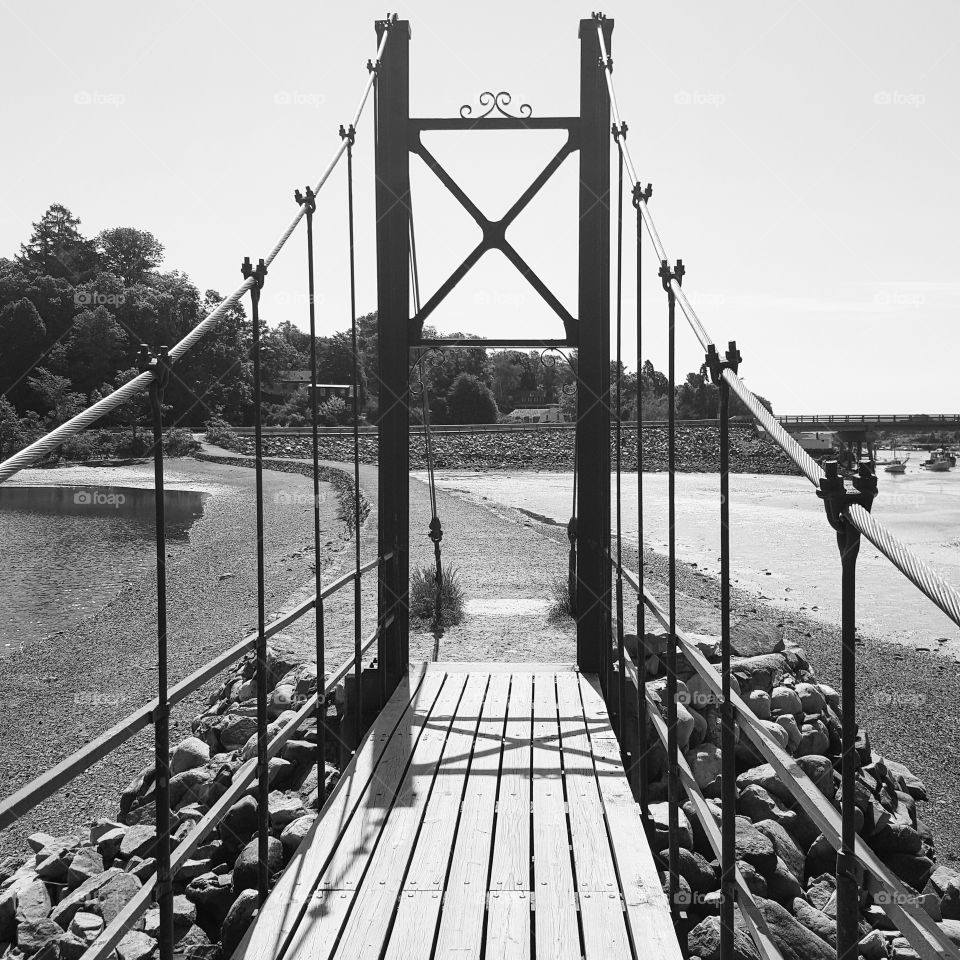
[
  {"x": 423, "y": 593},
  {"x": 559, "y": 609}
]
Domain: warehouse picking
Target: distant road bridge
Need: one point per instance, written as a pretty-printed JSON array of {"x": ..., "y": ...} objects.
[{"x": 859, "y": 423}]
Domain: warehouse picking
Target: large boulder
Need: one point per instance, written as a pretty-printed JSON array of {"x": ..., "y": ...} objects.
[
  {"x": 238, "y": 826},
  {"x": 784, "y": 845},
  {"x": 33, "y": 935},
  {"x": 816, "y": 921},
  {"x": 246, "y": 869},
  {"x": 104, "y": 895},
  {"x": 755, "y": 848},
  {"x": 32, "y": 901},
  {"x": 137, "y": 945},
  {"x": 757, "y": 804},
  {"x": 189, "y": 753},
  {"x": 705, "y": 763},
  {"x": 704, "y": 941},
  {"x": 796, "y": 942},
  {"x": 293, "y": 833},
  {"x": 238, "y": 919},
  {"x": 85, "y": 864}
]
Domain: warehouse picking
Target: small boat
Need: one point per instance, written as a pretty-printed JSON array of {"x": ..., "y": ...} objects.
[
  {"x": 940, "y": 461},
  {"x": 896, "y": 466}
]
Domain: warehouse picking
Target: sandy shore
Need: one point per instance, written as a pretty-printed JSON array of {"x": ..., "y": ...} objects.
[{"x": 507, "y": 561}]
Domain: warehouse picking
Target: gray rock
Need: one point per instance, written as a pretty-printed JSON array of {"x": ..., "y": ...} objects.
[
  {"x": 114, "y": 894},
  {"x": 238, "y": 920},
  {"x": 755, "y": 848},
  {"x": 139, "y": 841},
  {"x": 873, "y": 946},
  {"x": 136, "y": 945},
  {"x": 213, "y": 894},
  {"x": 784, "y": 700},
  {"x": 766, "y": 777},
  {"x": 86, "y": 863},
  {"x": 795, "y": 941},
  {"x": 299, "y": 752},
  {"x": 811, "y": 698},
  {"x": 284, "y": 809},
  {"x": 704, "y": 942},
  {"x": 942, "y": 878},
  {"x": 755, "y": 882},
  {"x": 109, "y": 842},
  {"x": 188, "y": 753},
  {"x": 816, "y": 921},
  {"x": 86, "y": 926},
  {"x": 238, "y": 825},
  {"x": 782, "y": 885},
  {"x": 704, "y": 763},
  {"x": 71, "y": 947},
  {"x": 246, "y": 869},
  {"x": 784, "y": 846},
  {"x": 294, "y": 832},
  {"x": 695, "y": 870},
  {"x": 910, "y": 868},
  {"x": 33, "y": 934},
  {"x": 757, "y": 804},
  {"x": 759, "y": 703},
  {"x": 33, "y": 902}
]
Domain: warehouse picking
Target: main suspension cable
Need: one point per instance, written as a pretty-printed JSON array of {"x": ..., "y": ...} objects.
[
  {"x": 918, "y": 571},
  {"x": 46, "y": 444}
]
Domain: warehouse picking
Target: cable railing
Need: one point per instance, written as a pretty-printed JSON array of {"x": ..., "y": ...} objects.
[
  {"x": 155, "y": 369},
  {"x": 847, "y": 510}
]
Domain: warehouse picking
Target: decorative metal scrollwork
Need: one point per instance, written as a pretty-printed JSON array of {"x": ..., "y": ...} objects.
[
  {"x": 431, "y": 357},
  {"x": 499, "y": 102},
  {"x": 549, "y": 361}
]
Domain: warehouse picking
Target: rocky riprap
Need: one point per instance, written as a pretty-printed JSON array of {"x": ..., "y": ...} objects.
[
  {"x": 549, "y": 448},
  {"x": 785, "y": 860},
  {"x": 57, "y": 902}
]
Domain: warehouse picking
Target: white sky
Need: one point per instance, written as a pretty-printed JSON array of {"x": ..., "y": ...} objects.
[{"x": 804, "y": 157}]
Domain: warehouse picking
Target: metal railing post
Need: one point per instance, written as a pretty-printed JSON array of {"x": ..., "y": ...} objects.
[
  {"x": 837, "y": 499},
  {"x": 668, "y": 276},
  {"x": 643, "y": 742},
  {"x": 160, "y": 368},
  {"x": 728, "y": 770},
  {"x": 308, "y": 201},
  {"x": 263, "y": 769}
]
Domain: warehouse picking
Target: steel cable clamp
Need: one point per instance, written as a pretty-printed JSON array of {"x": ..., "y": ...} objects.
[
  {"x": 837, "y": 498},
  {"x": 258, "y": 274},
  {"x": 668, "y": 274},
  {"x": 715, "y": 366},
  {"x": 641, "y": 195},
  {"x": 306, "y": 199},
  {"x": 348, "y": 134}
]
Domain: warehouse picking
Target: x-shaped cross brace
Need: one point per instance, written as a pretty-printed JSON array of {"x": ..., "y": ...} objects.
[{"x": 494, "y": 238}]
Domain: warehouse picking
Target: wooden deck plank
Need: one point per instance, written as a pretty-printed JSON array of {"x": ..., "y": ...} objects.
[
  {"x": 412, "y": 934},
  {"x": 365, "y": 931},
  {"x": 592, "y": 855},
  {"x": 511, "y": 848},
  {"x": 461, "y": 919},
  {"x": 431, "y": 855},
  {"x": 604, "y": 931},
  {"x": 489, "y": 669},
  {"x": 556, "y": 928},
  {"x": 352, "y": 853},
  {"x": 294, "y": 890},
  {"x": 508, "y": 928},
  {"x": 647, "y": 910},
  {"x": 594, "y": 707}
]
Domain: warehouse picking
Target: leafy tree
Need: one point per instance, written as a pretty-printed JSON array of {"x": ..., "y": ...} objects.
[
  {"x": 129, "y": 253},
  {"x": 23, "y": 334},
  {"x": 56, "y": 248},
  {"x": 60, "y": 402},
  {"x": 469, "y": 400},
  {"x": 96, "y": 347}
]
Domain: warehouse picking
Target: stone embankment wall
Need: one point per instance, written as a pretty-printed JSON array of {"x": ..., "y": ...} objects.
[
  {"x": 787, "y": 863},
  {"x": 698, "y": 449}
]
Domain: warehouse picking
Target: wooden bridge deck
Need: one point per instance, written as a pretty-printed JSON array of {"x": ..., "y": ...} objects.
[{"x": 486, "y": 814}]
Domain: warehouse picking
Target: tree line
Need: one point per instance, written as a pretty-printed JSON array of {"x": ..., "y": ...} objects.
[{"x": 75, "y": 309}]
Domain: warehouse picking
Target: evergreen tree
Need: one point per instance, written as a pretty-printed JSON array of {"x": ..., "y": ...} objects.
[{"x": 56, "y": 248}]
